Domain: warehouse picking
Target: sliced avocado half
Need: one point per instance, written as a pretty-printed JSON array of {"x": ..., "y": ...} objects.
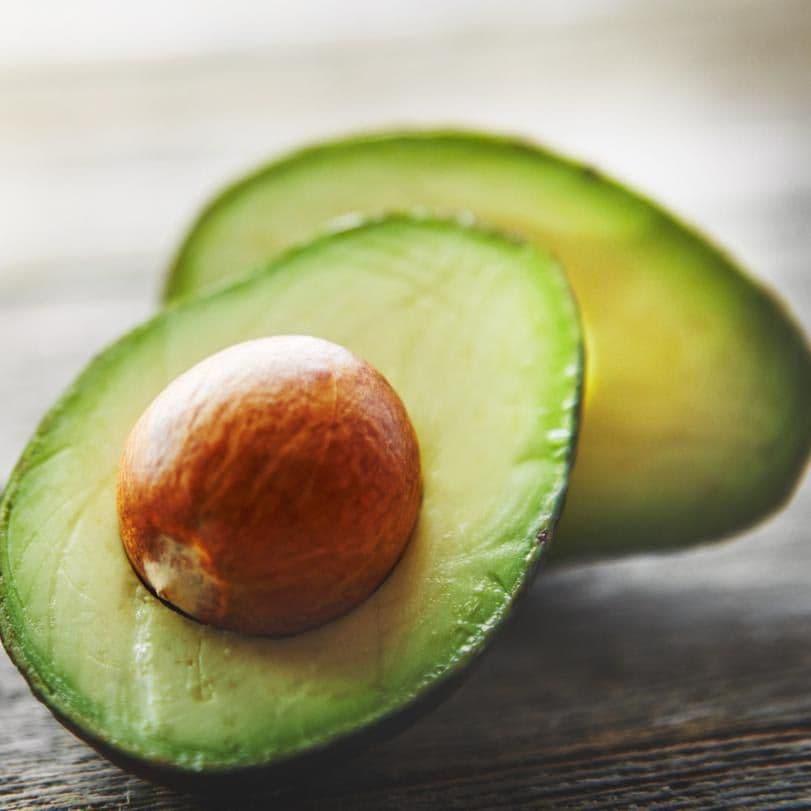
[
  {"x": 480, "y": 337},
  {"x": 698, "y": 384}
]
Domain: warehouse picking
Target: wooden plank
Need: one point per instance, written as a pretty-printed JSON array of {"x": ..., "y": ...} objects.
[{"x": 648, "y": 681}]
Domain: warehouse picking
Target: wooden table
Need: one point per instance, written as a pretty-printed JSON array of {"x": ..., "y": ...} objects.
[{"x": 648, "y": 682}]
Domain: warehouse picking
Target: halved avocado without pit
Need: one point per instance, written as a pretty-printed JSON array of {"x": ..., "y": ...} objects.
[
  {"x": 698, "y": 384},
  {"x": 480, "y": 337}
]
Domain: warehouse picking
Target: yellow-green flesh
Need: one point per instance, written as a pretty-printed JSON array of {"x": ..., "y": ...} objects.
[
  {"x": 698, "y": 386},
  {"x": 478, "y": 335}
]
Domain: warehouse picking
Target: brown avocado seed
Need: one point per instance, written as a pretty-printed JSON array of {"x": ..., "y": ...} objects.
[{"x": 270, "y": 488}]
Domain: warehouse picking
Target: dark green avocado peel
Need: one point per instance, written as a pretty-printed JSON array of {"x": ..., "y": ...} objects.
[
  {"x": 494, "y": 409},
  {"x": 698, "y": 383}
]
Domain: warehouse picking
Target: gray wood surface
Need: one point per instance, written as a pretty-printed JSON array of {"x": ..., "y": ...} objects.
[{"x": 649, "y": 682}]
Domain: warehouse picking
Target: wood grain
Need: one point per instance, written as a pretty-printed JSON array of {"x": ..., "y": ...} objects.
[
  {"x": 610, "y": 687},
  {"x": 672, "y": 682}
]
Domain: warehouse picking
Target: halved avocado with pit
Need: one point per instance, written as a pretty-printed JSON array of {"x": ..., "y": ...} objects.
[
  {"x": 478, "y": 335},
  {"x": 698, "y": 383}
]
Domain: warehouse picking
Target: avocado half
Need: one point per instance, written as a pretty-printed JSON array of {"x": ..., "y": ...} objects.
[
  {"x": 698, "y": 384},
  {"x": 480, "y": 337}
]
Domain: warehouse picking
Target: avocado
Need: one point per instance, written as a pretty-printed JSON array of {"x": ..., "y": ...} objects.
[
  {"x": 478, "y": 335},
  {"x": 698, "y": 384}
]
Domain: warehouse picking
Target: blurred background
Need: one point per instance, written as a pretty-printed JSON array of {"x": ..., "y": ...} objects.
[{"x": 118, "y": 120}]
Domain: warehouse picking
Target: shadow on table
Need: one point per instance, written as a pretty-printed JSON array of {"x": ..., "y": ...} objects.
[{"x": 635, "y": 653}]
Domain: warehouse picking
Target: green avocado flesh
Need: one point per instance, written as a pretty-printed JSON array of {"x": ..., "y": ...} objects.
[
  {"x": 698, "y": 386},
  {"x": 479, "y": 336}
]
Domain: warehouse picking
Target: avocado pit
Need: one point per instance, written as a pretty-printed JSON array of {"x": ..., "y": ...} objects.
[{"x": 270, "y": 488}]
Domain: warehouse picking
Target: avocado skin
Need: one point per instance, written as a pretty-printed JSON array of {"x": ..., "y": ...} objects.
[
  {"x": 594, "y": 529},
  {"x": 284, "y": 772},
  {"x": 280, "y": 773}
]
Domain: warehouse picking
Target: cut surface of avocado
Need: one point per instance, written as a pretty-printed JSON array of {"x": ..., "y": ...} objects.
[
  {"x": 480, "y": 338},
  {"x": 698, "y": 385}
]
